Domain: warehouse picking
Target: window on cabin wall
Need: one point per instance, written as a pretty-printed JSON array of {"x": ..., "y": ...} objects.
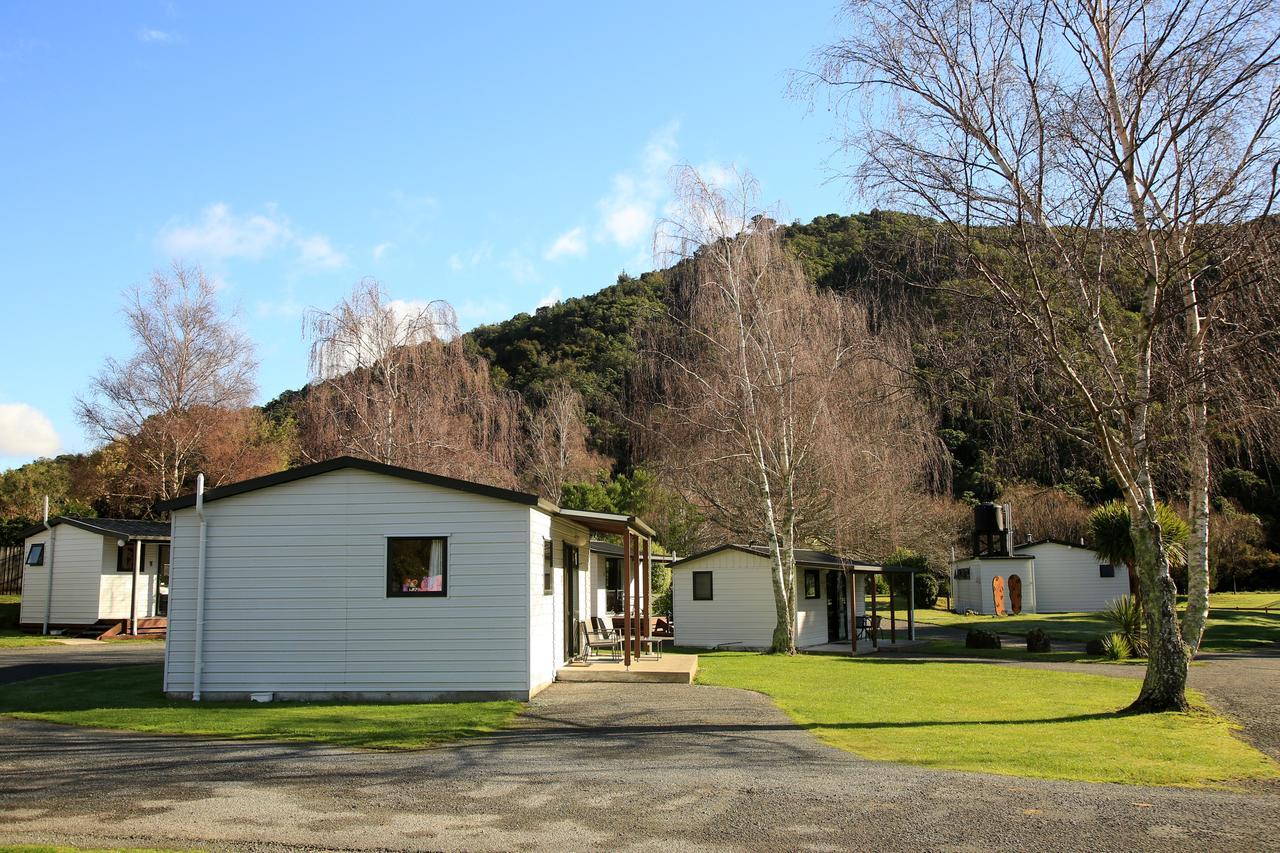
[
  {"x": 962, "y": 574},
  {"x": 417, "y": 566},
  {"x": 548, "y": 583},
  {"x": 702, "y": 586},
  {"x": 126, "y": 556},
  {"x": 35, "y": 556},
  {"x": 613, "y": 584},
  {"x": 810, "y": 583},
  {"x": 1106, "y": 570}
]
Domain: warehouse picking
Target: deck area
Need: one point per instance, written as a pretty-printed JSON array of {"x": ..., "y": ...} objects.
[{"x": 669, "y": 669}]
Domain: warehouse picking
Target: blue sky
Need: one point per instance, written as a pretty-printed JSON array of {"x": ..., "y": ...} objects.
[{"x": 498, "y": 157}]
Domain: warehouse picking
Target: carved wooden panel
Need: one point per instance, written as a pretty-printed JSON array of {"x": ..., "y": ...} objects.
[
  {"x": 997, "y": 593},
  {"x": 1015, "y": 594}
]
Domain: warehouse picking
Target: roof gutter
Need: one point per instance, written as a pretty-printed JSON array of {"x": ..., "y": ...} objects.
[{"x": 198, "y": 668}]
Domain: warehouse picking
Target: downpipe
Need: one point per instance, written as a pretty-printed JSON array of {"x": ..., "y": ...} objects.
[
  {"x": 48, "y": 593},
  {"x": 198, "y": 669}
]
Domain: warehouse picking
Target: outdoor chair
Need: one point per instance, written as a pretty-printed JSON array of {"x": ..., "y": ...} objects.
[{"x": 593, "y": 640}]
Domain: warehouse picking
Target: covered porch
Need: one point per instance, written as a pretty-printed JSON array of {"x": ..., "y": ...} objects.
[
  {"x": 878, "y": 632},
  {"x": 633, "y": 648}
]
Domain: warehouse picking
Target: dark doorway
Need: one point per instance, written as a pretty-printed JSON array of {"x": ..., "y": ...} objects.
[
  {"x": 837, "y": 607},
  {"x": 571, "y": 638}
]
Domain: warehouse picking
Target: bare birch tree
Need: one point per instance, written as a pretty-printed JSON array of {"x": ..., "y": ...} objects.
[
  {"x": 556, "y": 448},
  {"x": 759, "y": 397},
  {"x": 392, "y": 382},
  {"x": 188, "y": 382},
  {"x": 1104, "y": 167}
]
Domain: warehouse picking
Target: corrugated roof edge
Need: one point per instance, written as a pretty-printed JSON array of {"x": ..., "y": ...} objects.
[
  {"x": 835, "y": 561},
  {"x": 343, "y": 462},
  {"x": 107, "y": 527}
]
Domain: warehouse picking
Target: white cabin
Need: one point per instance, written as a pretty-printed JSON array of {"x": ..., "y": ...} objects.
[
  {"x": 91, "y": 562},
  {"x": 724, "y": 597},
  {"x": 1054, "y": 577},
  {"x": 348, "y": 579}
]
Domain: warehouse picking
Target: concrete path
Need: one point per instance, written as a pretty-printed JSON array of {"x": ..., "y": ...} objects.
[{"x": 591, "y": 767}]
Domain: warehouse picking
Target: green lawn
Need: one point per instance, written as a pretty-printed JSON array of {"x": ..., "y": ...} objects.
[
  {"x": 993, "y": 719},
  {"x": 130, "y": 698},
  {"x": 1253, "y": 600},
  {"x": 1227, "y": 630},
  {"x": 13, "y": 639}
]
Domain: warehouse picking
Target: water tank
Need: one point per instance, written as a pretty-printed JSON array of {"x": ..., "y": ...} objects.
[{"x": 988, "y": 518}]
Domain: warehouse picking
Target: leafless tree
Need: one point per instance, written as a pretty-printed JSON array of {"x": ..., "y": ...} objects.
[
  {"x": 392, "y": 382},
  {"x": 556, "y": 448},
  {"x": 1105, "y": 167},
  {"x": 191, "y": 375},
  {"x": 768, "y": 403}
]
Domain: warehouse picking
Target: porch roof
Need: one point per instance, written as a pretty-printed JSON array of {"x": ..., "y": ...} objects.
[
  {"x": 607, "y": 522},
  {"x": 807, "y": 558}
]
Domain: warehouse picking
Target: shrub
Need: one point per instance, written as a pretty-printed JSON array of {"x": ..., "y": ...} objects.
[
  {"x": 1116, "y": 647},
  {"x": 1124, "y": 616},
  {"x": 1037, "y": 640},
  {"x": 1095, "y": 647},
  {"x": 980, "y": 639}
]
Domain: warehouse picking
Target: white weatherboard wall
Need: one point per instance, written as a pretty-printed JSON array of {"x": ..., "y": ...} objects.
[
  {"x": 1068, "y": 579},
  {"x": 295, "y": 593},
  {"x": 546, "y": 611},
  {"x": 742, "y": 611},
  {"x": 116, "y": 587},
  {"x": 811, "y": 613},
  {"x": 77, "y": 578}
]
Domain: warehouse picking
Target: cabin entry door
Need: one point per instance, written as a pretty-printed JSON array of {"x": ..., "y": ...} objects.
[
  {"x": 572, "y": 640},
  {"x": 837, "y": 607}
]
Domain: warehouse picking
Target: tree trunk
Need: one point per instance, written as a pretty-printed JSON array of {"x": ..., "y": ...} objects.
[{"x": 1165, "y": 685}]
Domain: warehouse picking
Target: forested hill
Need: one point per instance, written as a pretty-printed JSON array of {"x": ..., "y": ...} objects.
[{"x": 879, "y": 258}]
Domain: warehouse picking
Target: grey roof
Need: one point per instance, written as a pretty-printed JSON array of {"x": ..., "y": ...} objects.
[
  {"x": 805, "y": 558},
  {"x": 120, "y": 528},
  {"x": 590, "y": 520}
]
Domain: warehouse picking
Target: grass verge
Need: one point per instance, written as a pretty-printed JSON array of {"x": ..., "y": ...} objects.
[
  {"x": 13, "y": 639},
  {"x": 993, "y": 719},
  {"x": 130, "y": 698},
  {"x": 1227, "y": 629}
]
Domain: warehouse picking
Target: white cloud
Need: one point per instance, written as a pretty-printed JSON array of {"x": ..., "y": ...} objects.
[
  {"x": 221, "y": 234},
  {"x": 26, "y": 431},
  {"x": 572, "y": 243},
  {"x": 149, "y": 35},
  {"x": 462, "y": 261},
  {"x": 551, "y": 297},
  {"x": 520, "y": 268},
  {"x": 628, "y": 213},
  {"x": 319, "y": 252},
  {"x": 380, "y": 250}
]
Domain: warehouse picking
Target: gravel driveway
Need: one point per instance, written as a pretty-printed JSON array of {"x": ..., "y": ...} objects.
[{"x": 592, "y": 766}]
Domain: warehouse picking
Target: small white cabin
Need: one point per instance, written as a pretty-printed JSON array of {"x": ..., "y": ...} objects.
[
  {"x": 91, "y": 562},
  {"x": 724, "y": 597},
  {"x": 348, "y": 579},
  {"x": 1053, "y": 577}
]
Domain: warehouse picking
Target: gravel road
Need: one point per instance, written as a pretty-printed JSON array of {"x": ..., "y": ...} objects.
[{"x": 592, "y": 766}]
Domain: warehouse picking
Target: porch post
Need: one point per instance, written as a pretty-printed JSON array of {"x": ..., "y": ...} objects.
[
  {"x": 646, "y": 623},
  {"x": 133, "y": 593},
  {"x": 893, "y": 609},
  {"x": 851, "y": 580},
  {"x": 911, "y": 607},
  {"x": 875, "y": 629},
  {"x": 638, "y": 625},
  {"x": 626, "y": 598}
]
